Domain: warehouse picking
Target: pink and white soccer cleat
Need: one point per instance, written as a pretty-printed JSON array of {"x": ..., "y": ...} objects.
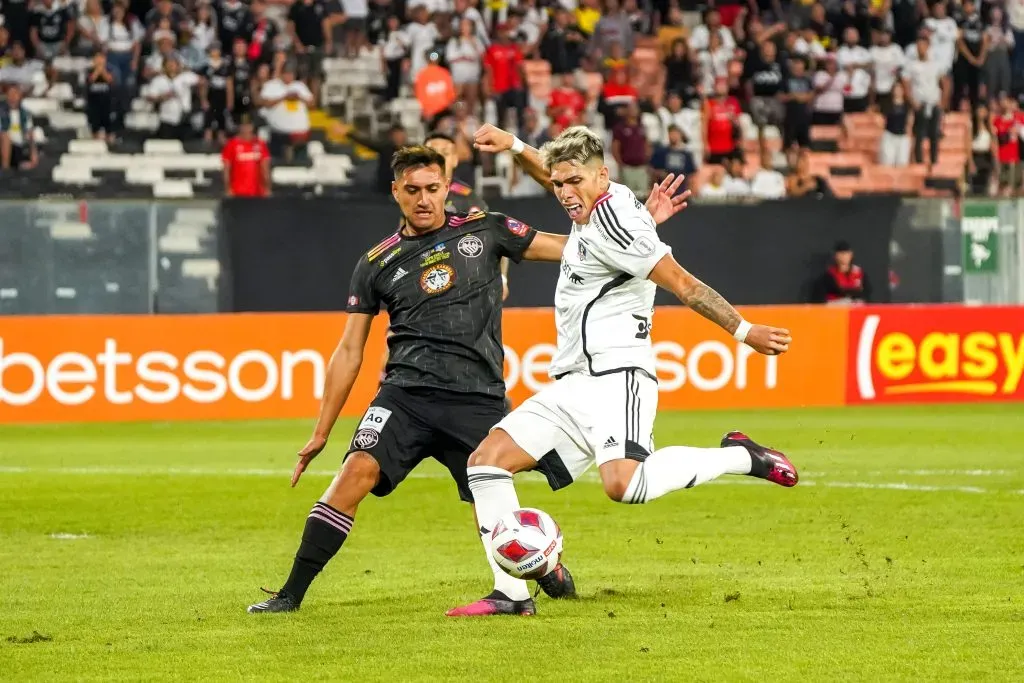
[
  {"x": 766, "y": 463},
  {"x": 494, "y": 604}
]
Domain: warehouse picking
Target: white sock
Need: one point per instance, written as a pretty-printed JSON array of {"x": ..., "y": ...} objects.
[
  {"x": 683, "y": 467},
  {"x": 494, "y": 495}
]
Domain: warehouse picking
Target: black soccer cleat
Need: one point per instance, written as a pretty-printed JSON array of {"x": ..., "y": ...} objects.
[
  {"x": 766, "y": 463},
  {"x": 277, "y": 602},
  {"x": 558, "y": 583}
]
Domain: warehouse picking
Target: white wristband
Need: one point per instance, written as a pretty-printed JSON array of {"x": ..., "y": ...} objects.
[
  {"x": 740, "y": 334},
  {"x": 518, "y": 146}
]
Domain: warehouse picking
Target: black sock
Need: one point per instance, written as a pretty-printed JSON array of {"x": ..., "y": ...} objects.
[{"x": 326, "y": 529}]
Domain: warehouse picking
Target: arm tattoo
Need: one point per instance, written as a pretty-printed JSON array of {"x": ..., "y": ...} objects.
[{"x": 713, "y": 306}]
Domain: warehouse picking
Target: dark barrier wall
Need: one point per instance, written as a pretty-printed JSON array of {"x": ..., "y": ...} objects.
[{"x": 298, "y": 254}]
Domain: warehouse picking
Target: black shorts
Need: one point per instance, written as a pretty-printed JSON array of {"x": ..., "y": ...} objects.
[
  {"x": 216, "y": 119},
  {"x": 404, "y": 426}
]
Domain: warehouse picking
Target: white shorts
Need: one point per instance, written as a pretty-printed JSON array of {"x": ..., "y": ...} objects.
[{"x": 581, "y": 419}]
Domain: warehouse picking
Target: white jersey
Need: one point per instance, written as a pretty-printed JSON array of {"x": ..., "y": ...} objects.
[{"x": 604, "y": 302}]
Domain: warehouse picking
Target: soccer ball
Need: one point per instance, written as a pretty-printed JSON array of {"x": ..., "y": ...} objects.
[{"x": 526, "y": 543}]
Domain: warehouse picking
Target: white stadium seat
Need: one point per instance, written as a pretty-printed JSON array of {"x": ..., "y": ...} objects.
[
  {"x": 142, "y": 120},
  {"x": 291, "y": 175},
  {"x": 342, "y": 161},
  {"x": 73, "y": 175},
  {"x": 70, "y": 230},
  {"x": 162, "y": 147},
  {"x": 173, "y": 189},
  {"x": 178, "y": 244},
  {"x": 143, "y": 175},
  {"x": 38, "y": 106},
  {"x": 95, "y": 147},
  {"x": 68, "y": 120}
]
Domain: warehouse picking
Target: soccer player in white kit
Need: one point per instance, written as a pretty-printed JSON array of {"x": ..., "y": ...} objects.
[{"x": 601, "y": 406}]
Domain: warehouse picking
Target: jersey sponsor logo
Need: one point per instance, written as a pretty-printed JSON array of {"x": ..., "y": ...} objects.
[
  {"x": 573, "y": 277},
  {"x": 437, "y": 279},
  {"x": 365, "y": 438},
  {"x": 390, "y": 257},
  {"x": 643, "y": 246},
  {"x": 375, "y": 418},
  {"x": 517, "y": 227},
  {"x": 581, "y": 250},
  {"x": 399, "y": 274},
  {"x": 471, "y": 246},
  {"x": 643, "y": 326},
  {"x": 353, "y": 300},
  {"x": 435, "y": 255}
]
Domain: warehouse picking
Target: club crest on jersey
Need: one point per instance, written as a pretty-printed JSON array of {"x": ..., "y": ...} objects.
[
  {"x": 365, "y": 438},
  {"x": 517, "y": 227},
  {"x": 437, "y": 279},
  {"x": 581, "y": 250},
  {"x": 471, "y": 246}
]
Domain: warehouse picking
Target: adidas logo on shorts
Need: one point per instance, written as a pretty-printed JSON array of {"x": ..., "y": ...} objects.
[{"x": 611, "y": 442}]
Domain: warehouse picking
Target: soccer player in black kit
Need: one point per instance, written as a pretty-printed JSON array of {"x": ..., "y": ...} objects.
[{"x": 439, "y": 277}]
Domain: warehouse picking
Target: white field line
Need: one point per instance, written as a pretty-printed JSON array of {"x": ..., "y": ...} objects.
[{"x": 588, "y": 477}]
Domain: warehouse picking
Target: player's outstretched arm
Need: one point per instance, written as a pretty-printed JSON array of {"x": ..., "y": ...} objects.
[
  {"x": 668, "y": 274},
  {"x": 342, "y": 371}
]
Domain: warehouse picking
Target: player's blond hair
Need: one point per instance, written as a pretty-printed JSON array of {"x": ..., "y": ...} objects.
[{"x": 578, "y": 144}]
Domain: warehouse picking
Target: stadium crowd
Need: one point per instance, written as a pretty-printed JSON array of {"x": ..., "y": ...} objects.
[{"x": 737, "y": 89}]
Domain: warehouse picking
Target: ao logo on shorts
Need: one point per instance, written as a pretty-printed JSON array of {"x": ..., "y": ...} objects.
[
  {"x": 437, "y": 279},
  {"x": 470, "y": 246}
]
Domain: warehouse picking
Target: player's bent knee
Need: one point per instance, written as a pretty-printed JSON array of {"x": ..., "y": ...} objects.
[
  {"x": 499, "y": 450},
  {"x": 616, "y": 489},
  {"x": 360, "y": 471}
]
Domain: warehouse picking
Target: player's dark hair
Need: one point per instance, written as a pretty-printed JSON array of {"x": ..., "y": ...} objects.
[
  {"x": 415, "y": 156},
  {"x": 438, "y": 135}
]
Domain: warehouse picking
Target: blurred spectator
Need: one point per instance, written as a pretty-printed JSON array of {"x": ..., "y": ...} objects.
[
  {"x": 567, "y": 103},
  {"x": 672, "y": 157},
  {"x": 714, "y": 186},
  {"x": 464, "y": 10},
  {"x": 767, "y": 183},
  {"x": 819, "y": 30},
  {"x": 614, "y": 59},
  {"x": 192, "y": 58},
  {"x": 17, "y": 144},
  {"x": 394, "y": 50},
  {"x": 562, "y": 43},
  {"x": 21, "y": 72},
  {"x": 504, "y": 63},
  {"x": 533, "y": 20},
  {"x": 714, "y": 61},
  {"x": 385, "y": 148},
  {"x": 679, "y": 68},
  {"x": 895, "y": 146},
  {"x": 721, "y": 125},
  {"x": 613, "y": 27},
  {"x": 797, "y": 96},
  {"x": 52, "y": 28},
  {"x": 532, "y": 132},
  {"x": 639, "y": 13},
  {"x": 438, "y": 50},
  {"x": 204, "y": 28},
  {"x": 688, "y": 120},
  {"x": 88, "y": 29},
  {"x": 5, "y": 45},
  {"x": 17, "y": 19},
  {"x": 465, "y": 54},
  {"x": 855, "y": 61},
  {"x": 736, "y": 185},
  {"x": 99, "y": 99},
  {"x": 1015, "y": 18},
  {"x": 998, "y": 74},
  {"x": 434, "y": 88},
  {"x": 887, "y": 60},
  {"x": 171, "y": 91},
  {"x": 982, "y": 159},
  {"x": 802, "y": 183},
  {"x": 121, "y": 34},
  {"x": 944, "y": 34},
  {"x": 421, "y": 34},
  {"x": 246, "y": 164},
  {"x": 309, "y": 27},
  {"x": 355, "y": 14},
  {"x": 286, "y": 103},
  {"x": 853, "y": 14},
  {"x": 216, "y": 95},
  {"x": 165, "y": 9},
  {"x": 1008, "y": 126},
  {"x": 234, "y": 21},
  {"x": 617, "y": 92},
  {"x": 843, "y": 282},
  {"x": 925, "y": 88},
  {"x": 632, "y": 151},
  {"x": 830, "y": 87},
  {"x": 700, "y": 39},
  {"x": 263, "y": 36},
  {"x": 588, "y": 13},
  {"x": 241, "y": 81},
  {"x": 764, "y": 81},
  {"x": 156, "y": 61},
  {"x": 972, "y": 48},
  {"x": 906, "y": 20}
]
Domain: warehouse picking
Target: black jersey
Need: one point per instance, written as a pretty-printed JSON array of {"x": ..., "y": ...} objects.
[
  {"x": 52, "y": 23},
  {"x": 217, "y": 78},
  {"x": 241, "y": 71},
  {"x": 462, "y": 199},
  {"x": 442, "y": 292}
]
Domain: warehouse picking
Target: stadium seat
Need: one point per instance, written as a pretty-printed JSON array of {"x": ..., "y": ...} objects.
[
  {"x": 88, "y": 146},
  {"x": 162, "y": 147},
  {"x": 140, "y": 120},
  {"x": 40, "y": 106},
  {"x": 70, "y": 230},
  {"x": 68, "y": 120},
  {"x": 173, "y": 189},
  {"x": 292, "y": 175},
  {"x": 202, "y": 268},
  {"x": 72, "y": 175},
  {"x": 179, "y": 244},
  {"x": 143, "y": 175}
]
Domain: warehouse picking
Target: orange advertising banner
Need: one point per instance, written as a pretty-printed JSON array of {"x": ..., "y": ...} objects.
[
  {"x": 114, "y": 368},
  {"x": 923, "y": 354}
]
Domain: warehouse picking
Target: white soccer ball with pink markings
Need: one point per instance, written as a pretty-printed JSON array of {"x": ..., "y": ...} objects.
[{"x": 526, "y": 543}]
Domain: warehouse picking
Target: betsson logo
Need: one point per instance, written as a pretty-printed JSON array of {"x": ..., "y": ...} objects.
[
  {"x": 708, "y": 366},
  {"x": 157, "y": 377},
  {"x": 945, "y": 362}
]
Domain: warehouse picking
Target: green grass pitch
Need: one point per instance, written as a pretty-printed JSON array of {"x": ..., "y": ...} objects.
[{"x": 133, "y": 550}]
